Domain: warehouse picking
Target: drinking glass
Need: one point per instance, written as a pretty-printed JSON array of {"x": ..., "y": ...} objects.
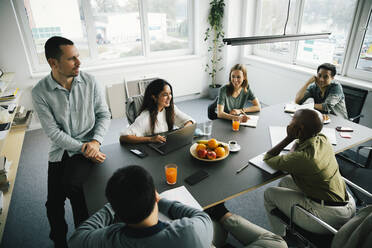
[
  {"x": 235, "y": 124},
  {"x": 207, "y": 128},
  {"x": 171, "y": 173}
]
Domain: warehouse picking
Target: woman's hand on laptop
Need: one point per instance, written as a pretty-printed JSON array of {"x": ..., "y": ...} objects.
[{"x": 158, "y": 139}]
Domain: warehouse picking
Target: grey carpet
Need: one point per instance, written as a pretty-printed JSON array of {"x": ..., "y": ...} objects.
[{"x": 27, "y": 224}]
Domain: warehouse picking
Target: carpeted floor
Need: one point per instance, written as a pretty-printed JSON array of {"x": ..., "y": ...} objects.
[{"x": 27, "y": 224}]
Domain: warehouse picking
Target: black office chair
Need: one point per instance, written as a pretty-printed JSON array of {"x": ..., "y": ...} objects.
[
  {"x": 309, "y": 239},
  {"x": 212, "y": 115},
  {"x": 354, "y": 100}
]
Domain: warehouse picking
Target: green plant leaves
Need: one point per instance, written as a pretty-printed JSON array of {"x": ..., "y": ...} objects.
[{"x": 215, "y": 31}]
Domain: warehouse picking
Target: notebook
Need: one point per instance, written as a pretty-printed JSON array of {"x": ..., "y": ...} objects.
[
  {"x": 258, "y": 162},
  {"x": 175, "y": 140},
  {"x": 293, "y": 107},
  {"x": 182, "y": 195},
  {"x": 252, "y": 122}
]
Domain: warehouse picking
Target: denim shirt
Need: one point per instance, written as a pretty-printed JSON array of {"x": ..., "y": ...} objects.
[
  {"x": 71, "y": 118},
  {"x": 333, "y": 101}
]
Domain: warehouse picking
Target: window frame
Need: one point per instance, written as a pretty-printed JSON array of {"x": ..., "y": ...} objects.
[
  {"x": 353, "y": 42},
  {"x": 365, "y": 14},
  {"x": 93, "y": 60}
]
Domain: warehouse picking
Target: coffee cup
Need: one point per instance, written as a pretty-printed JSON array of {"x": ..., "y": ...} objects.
[{"x": 233, "y": 144}]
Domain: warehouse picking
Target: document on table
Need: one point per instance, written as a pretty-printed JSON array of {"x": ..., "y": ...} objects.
[
  {"x": 258, "y": 162},
  {"x": 277, "y": 134},
  {"x": 251, "y": 122},
  {"x": 182, "y": 195},
  {"x": 293, "y": 107}
]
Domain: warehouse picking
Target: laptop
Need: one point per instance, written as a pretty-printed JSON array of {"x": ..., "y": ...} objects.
[{"x": 175, "y": 140}]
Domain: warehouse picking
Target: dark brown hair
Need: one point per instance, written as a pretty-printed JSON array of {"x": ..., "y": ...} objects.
[
  {"x": 230, "y": 87},
  {"x": 154, "y": 89}
]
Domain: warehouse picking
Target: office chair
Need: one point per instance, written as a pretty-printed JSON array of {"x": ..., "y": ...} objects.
[
  {"x": 354, "y": 100},
  {"x": 212, "y": 115},
  {"x": 334, "y": 237},
  {"x": 133, "y": 107},
  {"x": 134, "y": 92}
]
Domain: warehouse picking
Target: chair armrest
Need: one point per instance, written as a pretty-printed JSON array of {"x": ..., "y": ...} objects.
[
  {"x": 358, "y": 188},
  {"x": 355, "y": 117},
  {"x": 364, "y": 147},
  {"x": 316, "y": 219}
]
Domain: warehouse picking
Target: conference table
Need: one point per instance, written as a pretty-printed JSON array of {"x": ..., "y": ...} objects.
[{"x": 223, "y": 183}]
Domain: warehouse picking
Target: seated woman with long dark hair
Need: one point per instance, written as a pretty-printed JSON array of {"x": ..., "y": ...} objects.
[{"x": 158, "y": 115}]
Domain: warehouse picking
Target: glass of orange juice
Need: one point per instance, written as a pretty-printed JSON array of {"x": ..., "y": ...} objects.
[
  {"x": 171, "y": 173},
  {"x": 235, "y": 124}
]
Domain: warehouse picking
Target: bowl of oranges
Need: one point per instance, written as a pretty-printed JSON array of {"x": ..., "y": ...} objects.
[{"x": 209, "y": 150}]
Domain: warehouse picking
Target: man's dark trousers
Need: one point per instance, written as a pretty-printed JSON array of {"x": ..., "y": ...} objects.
[{"x": 65, "y": 180}]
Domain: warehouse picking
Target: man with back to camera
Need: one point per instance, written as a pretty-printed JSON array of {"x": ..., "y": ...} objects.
[
  {"x": 314, "y": 181},
  {"x": 130, "y": 219},
  {"x": 325, "y": 90},
  {"x": 73, "y": 113}
]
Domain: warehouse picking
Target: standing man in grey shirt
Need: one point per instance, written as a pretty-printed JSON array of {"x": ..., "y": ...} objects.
[
  {"x": 130, "y": 219},
  {"x": 73, "y": 113}
]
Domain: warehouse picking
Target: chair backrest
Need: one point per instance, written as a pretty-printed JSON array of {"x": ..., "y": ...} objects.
[
  {"x": 212, "y": 115},
  {"x": 354, "y": 100},
  {"x": 133, "y": 107},
  {"x": 356, "y": 232},
  {"x": 134, "y": 92}
]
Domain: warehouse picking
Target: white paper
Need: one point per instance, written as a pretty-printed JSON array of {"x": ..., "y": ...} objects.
[
  {"x": 182, "y": 195},
  {"x": 258, "y": 162},
  {"x": 252, "y": 122},
  {"x": 331, "y": 134},
  {"x": 277, "y": 134}
]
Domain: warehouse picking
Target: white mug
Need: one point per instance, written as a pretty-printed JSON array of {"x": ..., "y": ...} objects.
[{"x": 233, "y": 144}]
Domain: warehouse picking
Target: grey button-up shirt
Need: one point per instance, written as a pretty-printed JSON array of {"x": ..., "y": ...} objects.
[{"x": 71, "y": 118}]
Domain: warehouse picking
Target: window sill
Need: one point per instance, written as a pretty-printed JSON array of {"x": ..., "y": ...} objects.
[
  {"x": 367, "y": 85},
  {"x": 145, "y": 61}
]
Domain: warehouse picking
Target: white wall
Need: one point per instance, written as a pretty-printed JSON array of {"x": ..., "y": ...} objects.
[{"x": 187, "y": 76}]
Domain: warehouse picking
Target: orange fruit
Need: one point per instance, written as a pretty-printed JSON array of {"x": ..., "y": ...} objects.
[
  {"x": 220, "y": 151},
  {"x": 212, "y": 143},
  {"x": 201, "y": 147}
]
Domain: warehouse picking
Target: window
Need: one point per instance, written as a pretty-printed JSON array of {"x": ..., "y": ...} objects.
[
  {"x": 360, "y": 63},
  {"x": 321, "y": 16},
  {"x": 107, "y": 31},
  {"x": 168, "y": 24},
  {"x": 271, "y": 21},
  {"x": 349, "y": 46},
  {"x": 365, "y": 54}
]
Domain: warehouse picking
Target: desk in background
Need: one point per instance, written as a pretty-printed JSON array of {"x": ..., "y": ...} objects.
[{"x": 223, "y": 183}]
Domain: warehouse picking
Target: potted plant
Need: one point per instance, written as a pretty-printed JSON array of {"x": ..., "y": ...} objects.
[{"x": 214, "y": 35}]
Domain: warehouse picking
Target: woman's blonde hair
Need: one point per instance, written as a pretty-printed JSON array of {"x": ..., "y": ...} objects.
[{"x": 242, "y": 68}]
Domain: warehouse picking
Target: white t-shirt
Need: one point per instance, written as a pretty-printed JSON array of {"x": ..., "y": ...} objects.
[{"x": 141, "y": 126}]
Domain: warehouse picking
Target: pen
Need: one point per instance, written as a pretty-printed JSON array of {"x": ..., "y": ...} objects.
[{"x": 241, "y": 169}]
